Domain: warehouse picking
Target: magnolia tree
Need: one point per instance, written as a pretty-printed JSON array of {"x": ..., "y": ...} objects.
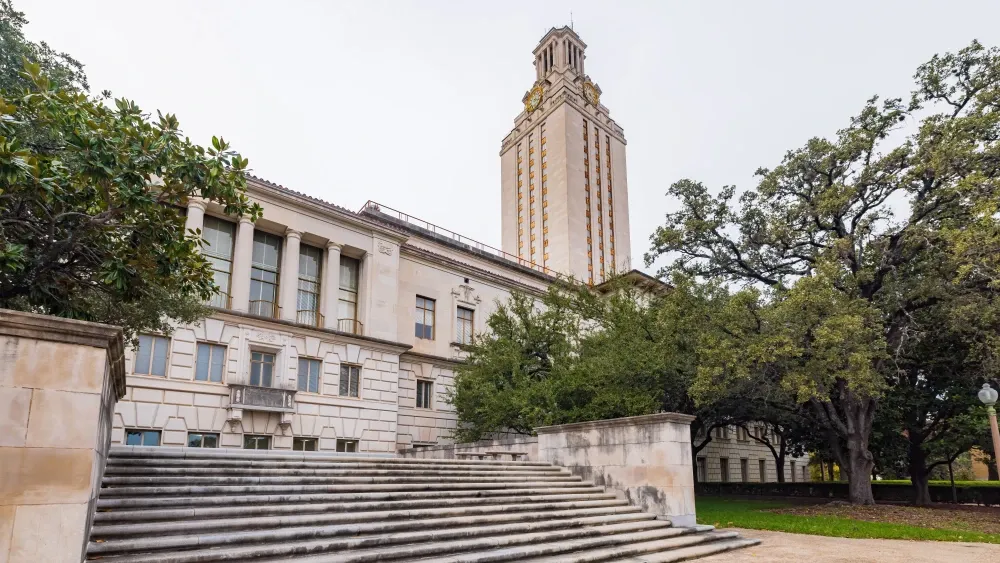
[{"x": 844, "y": 242}]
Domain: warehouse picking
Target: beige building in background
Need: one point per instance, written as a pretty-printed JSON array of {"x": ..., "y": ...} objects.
[
  {"x": 339, "y": 330},
  {"x": 564, "y": 192}
]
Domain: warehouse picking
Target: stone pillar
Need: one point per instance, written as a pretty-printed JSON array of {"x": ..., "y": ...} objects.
[
  {"x": 59, "y": 382},
  {"x": 331, "y": 285},
  {"x": 242, "y": 255},
  {"x": 289, "y": 276},
  {"x": 195, "y": 215},
  {"x": 643, "y": 459}
]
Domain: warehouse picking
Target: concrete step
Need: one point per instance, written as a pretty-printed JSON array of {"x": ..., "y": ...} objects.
[
  {"x": 693, "y": 552},
  {"x": 162, "y": 452},
  {"x": 160, "y": 481},
  {"x": 219, "y": 509},
  {"x": 108, "y": 492},
  {"x": 306, "y": 540},
  {"x": 508, "y": 547},
  {"x": 154, "y": 471},
  {"x": 699, "y": 536},
  {"x": 267, "y": 463},
  {"x": 110, "y": 531},
  {"x": 304, "y": 500}
]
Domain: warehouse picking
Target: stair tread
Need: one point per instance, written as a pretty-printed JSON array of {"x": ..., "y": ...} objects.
[
  {"x": 692, "y": 552},
  {"x": 700, "y": 535},
  {"x": 364, "y": 538},
  {"x": 266, "y": 522}
]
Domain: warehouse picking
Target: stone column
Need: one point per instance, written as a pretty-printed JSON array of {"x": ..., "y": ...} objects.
[
  {"x": 289, "y": 277},
  {"x": 242, "y": 255},
  {"x": 331, "y": 285},
  {"x": 365, "y": 293},
  {"x": 195, "y": 215},
  {"x": 643, "y": 459},
  {"x": 59, "y": 382}
]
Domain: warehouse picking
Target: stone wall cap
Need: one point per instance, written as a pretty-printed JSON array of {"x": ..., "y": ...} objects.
[
  {"x": 72, "y": 331},
  {"x": 641, "y": 420}
]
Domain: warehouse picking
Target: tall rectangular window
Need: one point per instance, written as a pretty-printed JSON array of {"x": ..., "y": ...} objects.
[
  {"x": 792, "y": 471},
  {"x": 465, "y": 324},
  {"x": 424, "y": 389},
  {"x": 264, "y": 274},
  {"x": 307, "y": 301},
  {"x": 218, "y": 250},
  {"x": 745, "y": 470},
  {"x": 309, "y": 375},
  {"x": 151, "y": 356},
  {"x": 261, "y": 369},
  {"x": 350, "y": 379},
  {"x": 424, "y": 318},
  {"x": 347, "y": 297},
  {"x": 210, "y": 362},
  {"x": 702, "y": 470},
  {"x": 724, "y": 469},
  {"x": 762, "y": 468}
]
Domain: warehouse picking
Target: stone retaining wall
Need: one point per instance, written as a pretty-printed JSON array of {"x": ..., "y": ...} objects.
[{"x": 59, "y": 382}]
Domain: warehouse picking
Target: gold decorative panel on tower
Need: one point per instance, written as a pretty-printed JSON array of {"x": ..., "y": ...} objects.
[{"x": 564, "y": 189}]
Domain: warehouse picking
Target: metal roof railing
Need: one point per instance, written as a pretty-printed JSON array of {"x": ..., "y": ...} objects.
[{"x": 376, "y": 208}]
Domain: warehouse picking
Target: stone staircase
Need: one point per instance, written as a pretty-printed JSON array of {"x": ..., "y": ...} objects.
[{"x": 173, "y": 505}]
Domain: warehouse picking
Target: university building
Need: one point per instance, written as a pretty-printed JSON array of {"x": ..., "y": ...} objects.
[{"x": 340, "y": 330}]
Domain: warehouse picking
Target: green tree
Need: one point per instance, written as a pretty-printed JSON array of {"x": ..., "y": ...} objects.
[
  {"x": 63, "y": 71},
  {"x": 821, "y": 232},
  {"x": 92, "y": 199}
]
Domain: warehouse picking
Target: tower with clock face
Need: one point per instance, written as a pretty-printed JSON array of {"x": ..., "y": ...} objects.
[{"x": 564, "y": 189}]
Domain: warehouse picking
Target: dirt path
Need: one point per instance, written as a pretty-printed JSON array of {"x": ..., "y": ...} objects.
[{"x": 779, "y": 546}]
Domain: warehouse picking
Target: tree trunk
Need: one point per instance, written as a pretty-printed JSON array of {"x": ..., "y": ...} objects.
[
  {"x": 918, "y": 473},
  {"x": 861, "y": 462},
  {"x": 829, "y": 466},
  {"x": 779, "y": 464},
  {"x": 991, "y": 472}
]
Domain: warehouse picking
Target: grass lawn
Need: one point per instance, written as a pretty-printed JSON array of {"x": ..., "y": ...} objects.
[{"x": 910, "y": 523}]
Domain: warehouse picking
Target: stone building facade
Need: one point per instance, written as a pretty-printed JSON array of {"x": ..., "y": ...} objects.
[{"x": 733, "y": 456}]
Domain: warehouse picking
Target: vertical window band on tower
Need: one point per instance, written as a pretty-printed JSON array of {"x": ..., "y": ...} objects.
[
  {"x": 520, "y": 201},
  {"x": 531, "y": 194},
  {"x": 545, "y": 191},
  {"x": 586, "y": 190},
  {"x": 600, "y": 205},
  {"x": 611, "y": 206}
]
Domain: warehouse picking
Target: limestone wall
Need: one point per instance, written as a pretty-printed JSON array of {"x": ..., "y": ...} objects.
[
  {"x": 645, "y": 459},
  {"x": 526, "y": 444},
  {"x": 59, "y": 381}
]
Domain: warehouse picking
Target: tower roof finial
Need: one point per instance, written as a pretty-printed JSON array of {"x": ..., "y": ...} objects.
[{"x": 571, "y": 19}]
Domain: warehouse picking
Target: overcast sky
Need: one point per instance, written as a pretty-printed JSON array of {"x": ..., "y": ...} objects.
[{"x": 406, "y": 103}]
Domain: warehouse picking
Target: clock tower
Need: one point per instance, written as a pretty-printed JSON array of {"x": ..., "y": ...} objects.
[{"x": 564, "y": 189}]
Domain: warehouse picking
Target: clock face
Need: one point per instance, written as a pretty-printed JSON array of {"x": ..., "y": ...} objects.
[
  {"x": 590, "y": 92},
  {"x": 534, "y": 99}
]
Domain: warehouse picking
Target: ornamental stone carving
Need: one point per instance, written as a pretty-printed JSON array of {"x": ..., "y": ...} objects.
[{"x": 384, "y": 248}]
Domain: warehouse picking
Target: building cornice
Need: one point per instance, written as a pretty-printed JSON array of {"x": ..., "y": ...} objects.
[
  {"x": 480, "y": 273},
  {"x": 324, "y": 208},
  {"x": 430, "y": 358},
  {"x": 280, "y": 324}
]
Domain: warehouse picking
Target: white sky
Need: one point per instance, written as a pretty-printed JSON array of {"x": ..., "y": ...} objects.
[{"x": 406, "y": 103}]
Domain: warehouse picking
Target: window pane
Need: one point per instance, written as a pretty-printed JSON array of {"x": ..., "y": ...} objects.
[
  {"x": 310, "y": 259},
  {"x": 314, "y": 376},
  {"x": 355, "y": 380},
  {"x": 303, "y": 375},
  {"x": 194, "y": 440},
  {"x": 151, "y": 438},
  {"x": 159, "y": 366},
  {"x": 210, "y": 441},
  {"x": 143, "y": 354},
  {"x": 218, "y": 236},
  {"x": 268, "y": 368},
  {"x": 345, "y": 379},
  {"x": 349, "y": 268},
  {"x": 133, "y": 438},
  {"x": 218, "y": 362},
  {"x": 202, "y": 362}
]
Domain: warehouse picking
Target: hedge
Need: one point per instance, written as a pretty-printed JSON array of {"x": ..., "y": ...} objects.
[{"x": 898, "y": 491}]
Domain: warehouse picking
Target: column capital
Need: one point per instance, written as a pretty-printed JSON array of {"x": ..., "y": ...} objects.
[
  {"x": 197, "y": 203},
  {"x": 290, "y": 232},
  {"x": 330, "y": 245},
  {"x": 246, "y": 219}
]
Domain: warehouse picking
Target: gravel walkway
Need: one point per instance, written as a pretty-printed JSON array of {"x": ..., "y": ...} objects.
[{"x": 784, "y": 547}]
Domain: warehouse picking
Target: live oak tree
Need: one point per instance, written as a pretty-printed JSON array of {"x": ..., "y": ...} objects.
[
  {"x": 92, "y": 199},
  {"x": 829, "y": 231}
]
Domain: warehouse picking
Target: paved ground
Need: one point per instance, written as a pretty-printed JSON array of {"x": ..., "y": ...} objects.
[{"x": 779, "y": 546}]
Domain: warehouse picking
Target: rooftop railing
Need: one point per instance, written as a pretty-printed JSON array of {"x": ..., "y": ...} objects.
[{"x": 376, "y": 208}]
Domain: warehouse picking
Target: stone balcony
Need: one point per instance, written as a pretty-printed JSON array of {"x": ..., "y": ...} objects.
[{"x": 254, "y": 398}]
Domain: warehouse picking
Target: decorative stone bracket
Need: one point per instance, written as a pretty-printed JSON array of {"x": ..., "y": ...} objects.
[{"x": 267, "y": 399}]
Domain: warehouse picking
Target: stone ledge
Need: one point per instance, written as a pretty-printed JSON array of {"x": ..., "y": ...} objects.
[
  {"x": 57, "y": 329},
  {"x": 641, "y": 420}
]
